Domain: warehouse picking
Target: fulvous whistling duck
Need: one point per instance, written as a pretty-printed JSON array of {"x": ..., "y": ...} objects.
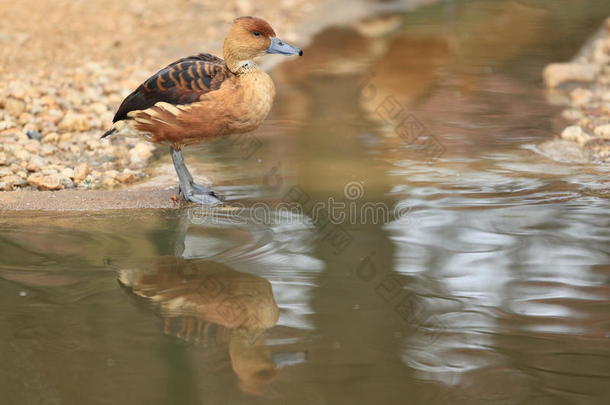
[{"x": 201, "y": 97}]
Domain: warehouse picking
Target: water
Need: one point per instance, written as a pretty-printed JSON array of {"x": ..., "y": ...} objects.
[{"x": 480, "y": 276}]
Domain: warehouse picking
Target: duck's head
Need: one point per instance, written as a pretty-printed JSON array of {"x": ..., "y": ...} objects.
[{"x": 251, "y": 37}]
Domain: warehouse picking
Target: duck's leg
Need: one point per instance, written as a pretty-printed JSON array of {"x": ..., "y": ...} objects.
[{"x": 188, "y": 188}]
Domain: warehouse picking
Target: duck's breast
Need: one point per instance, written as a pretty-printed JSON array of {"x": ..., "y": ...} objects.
[{"x": 255, "y": 95}]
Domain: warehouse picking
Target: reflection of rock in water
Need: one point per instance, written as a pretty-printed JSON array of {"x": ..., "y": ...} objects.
[{"x": 198, "y": 299}]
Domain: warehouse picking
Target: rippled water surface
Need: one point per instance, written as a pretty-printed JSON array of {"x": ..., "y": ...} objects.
[{"x": 463, "y": 268}]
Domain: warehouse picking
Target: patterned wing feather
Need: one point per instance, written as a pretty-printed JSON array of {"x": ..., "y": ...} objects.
[{"x": 181, "y": 82}]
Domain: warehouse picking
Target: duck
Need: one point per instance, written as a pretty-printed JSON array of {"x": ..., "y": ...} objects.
[{"x": 203, "y": 97}]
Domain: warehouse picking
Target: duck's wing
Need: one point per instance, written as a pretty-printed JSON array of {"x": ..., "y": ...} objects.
[{"x": 182, "y": 82}]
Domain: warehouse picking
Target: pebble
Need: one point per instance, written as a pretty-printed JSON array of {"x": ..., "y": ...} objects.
[
  {"x": 53, "y": 137},
  {"x": 45, "y": 182},
  {"x": 81, "y": 171},
  {"x": 9, "y": 182},
  {"x": 21, "y": 154},
  {"x": 127, "y": 176},
  {"x": 46, "y": 150},
  {"x": 108, "y": 182},
  {"x": 559, "y": 73},
  {"x": 14, "y": 106},
  {"x": 74, "y": 122},
  {"x": 603, "y": 131},
  {"x": 36, "y": 163},
  {"x": 575, "y": 133},
  {"x": 580, "y": 97},
  {"x": 140, "y": 153}
]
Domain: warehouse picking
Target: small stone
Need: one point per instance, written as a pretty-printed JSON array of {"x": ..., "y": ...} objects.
[
  {"x": 602, "y": 131},
  {"x": 32, "y": 147},
  {"x": 74, "y": 122},
  {"x": 5, "y": 171},
  {"x": 127, "y": 176},
  {"x": 111, "y": 173},
  {"x": 45, "y": 182},
  {"x": 35, "y": 135},
  {"x": 575, "y": 133},
  {"x": 67, "y": 172},
  {"x": 80, "y": 172},
  {"x": 47, "y": 171},
  {"x": 35, "y": 164},
  {"x": 98, "y": 108},
  {"x": 14, "y": 106},
  {"x": 140, "y": 153},
  {"x": 108, "y": 182},
  {"x": 19, "y": 89},
  {"x": 572, "y": 114},
  {"x": 21, "y": 154},
  {"x": 8, "y": 183},
  {"x": 581, "y": 96},
  {"x": 46, "y": 149},
  {"x": 53, "y": 137},
  {"x": 558, "y": 73}
]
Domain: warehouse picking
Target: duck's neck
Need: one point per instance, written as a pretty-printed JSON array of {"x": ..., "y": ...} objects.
[
  {"x": 244, "y": 67},
  {"x": 237, "y": 63}
]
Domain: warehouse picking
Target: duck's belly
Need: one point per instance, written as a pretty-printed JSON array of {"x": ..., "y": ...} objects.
[{"x": 238, "y": 108}]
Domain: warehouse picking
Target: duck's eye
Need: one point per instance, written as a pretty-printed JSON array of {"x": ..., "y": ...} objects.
[{"x": 256, "y": 34}]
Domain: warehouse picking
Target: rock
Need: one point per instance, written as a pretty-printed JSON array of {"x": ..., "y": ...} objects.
[
  {"x": 5, "y": 171},
  {"x": 21, "y": 154},
  {"x": 580, "y": 96},
  {"x": 140, "y": 153},
  {"x": 15, "y": 106},
  {"x": 602, "y": 131},
  {"x": 74, "y": 122},
  {"x": 45, "y": 182},
  {"x": 46, "y": 149},
  {"x": 572, "y": 114},
  {"x": 8, "y": 183},
  {"x": 52, "y": 137},
  {"x": 35, "y": 135},
  {"x": 32, "y": 147},
  {"x": 3, "y": 158},
  {"x": 558, "y": 73},
  {"x": 6, "y": 124},
  {"x": 18, "y": 89},
  {"x": 108, "y": 182},
  {"x": 98, "y": 108},
  {"x": 111, "y": 173},
  {"x": 575, "y": 133},
  {"x": 35, "y": 164},
  {"x": 127, "y": 176},
  {"x": 67, "y": 172},
  {"x": 80, "y": 172}
]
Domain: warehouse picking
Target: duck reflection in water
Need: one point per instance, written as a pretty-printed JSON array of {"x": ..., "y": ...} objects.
[{"x": 197, "y": 299}]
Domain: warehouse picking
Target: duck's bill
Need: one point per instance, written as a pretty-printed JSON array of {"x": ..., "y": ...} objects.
[{"x": 280, "y": 47}]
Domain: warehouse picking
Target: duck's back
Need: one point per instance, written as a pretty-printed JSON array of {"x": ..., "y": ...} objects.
[{"x": 182, "y": 82}]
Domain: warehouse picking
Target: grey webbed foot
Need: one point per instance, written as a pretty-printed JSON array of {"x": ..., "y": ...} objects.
[
  {"x": 205, "y": 190},
  {"x": 201, "y": 195}
]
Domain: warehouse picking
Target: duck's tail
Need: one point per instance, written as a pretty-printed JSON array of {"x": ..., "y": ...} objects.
[{"x": 109, "y": 132}]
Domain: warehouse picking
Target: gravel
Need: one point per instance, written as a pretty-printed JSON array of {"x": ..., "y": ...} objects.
[{"x": 583, "y": 85}]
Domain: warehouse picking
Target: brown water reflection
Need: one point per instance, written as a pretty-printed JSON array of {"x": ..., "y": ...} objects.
[
  {"x": 491, "y": 288},
  {"x": 194, "y": 296}
]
